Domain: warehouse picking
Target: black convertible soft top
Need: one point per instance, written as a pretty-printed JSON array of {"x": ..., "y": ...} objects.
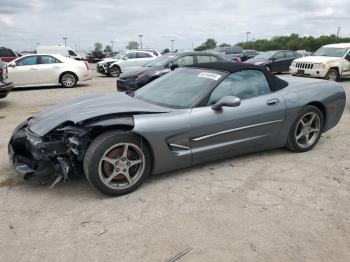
[{"x": 231, "y": 67}]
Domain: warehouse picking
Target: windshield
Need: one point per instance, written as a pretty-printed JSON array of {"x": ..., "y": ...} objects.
[
  {"x": 265, "y": 55},
  {"x": 180, "y": 88},
  {"x": 160, "y": 61},
  {"x": 119, "y": 55},
  {"x": 330, "y": 51}
]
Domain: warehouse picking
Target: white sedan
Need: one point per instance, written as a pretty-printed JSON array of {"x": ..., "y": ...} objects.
[{"x": 47, "y": 70}]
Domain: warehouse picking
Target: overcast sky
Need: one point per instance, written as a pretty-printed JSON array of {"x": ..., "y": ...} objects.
[{"x": 25, "y": 23}]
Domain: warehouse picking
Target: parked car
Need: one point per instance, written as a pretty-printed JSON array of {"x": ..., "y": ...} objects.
[
  {"x": 5, "y": 86},
  {"x": 126, "y": 59},
  {"x": 138, "y": 77},
  {"x": 95, "y": 56},
  {"x": 248, "y": 54},
  {"x": 190, "y": 116},
  {"x": 47, "y": 70},
  {"x": 330, "y": 62},
  {"x": 276, "y": 61},
  {"x": 232, "y": 53},
  {"x": 154, "y": 51},
  {"x": 7, "y": 55},
  {"x": 58, "y": 50},
  {"x": 304, "y": 52}
]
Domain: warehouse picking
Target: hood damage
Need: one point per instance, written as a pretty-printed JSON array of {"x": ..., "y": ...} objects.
[{"x": 55, "y": 141}]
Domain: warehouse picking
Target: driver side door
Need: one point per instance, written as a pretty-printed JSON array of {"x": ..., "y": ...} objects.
[{"x": 254, "y": 124}]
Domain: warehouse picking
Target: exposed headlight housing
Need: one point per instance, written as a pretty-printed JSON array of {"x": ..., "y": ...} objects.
[{"x": 140, "y": 76}]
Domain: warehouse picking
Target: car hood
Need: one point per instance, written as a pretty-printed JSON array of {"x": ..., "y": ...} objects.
[
  {"x": 88, "y": 107},
  {"x": 150, "y": 71},
  {"x": 106, "y": 60},
  {"x": 316, "y": 59}
]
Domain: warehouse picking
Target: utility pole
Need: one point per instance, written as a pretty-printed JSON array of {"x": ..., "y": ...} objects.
[
  {"x": 65, "y": 40},
  {"x": 112, "y": 42},
  {"x": 192, "y": 46},
  {"x": 172, "y": 45},
  {"x": 338, "y": 33},
  {"x": 248, "y": 33},
  {"x": 140, "y": 36}
]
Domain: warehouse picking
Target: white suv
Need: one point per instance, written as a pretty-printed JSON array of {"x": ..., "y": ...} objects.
[
  {"x": 331, "y": 62},
  {"x": 125, "y": 59}
]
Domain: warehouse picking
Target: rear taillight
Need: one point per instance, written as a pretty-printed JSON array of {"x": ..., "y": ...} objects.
[{"x": 87, "y": 65}]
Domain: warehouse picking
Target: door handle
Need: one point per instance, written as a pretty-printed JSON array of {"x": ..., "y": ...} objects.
[{"x": 273, "y": 101}]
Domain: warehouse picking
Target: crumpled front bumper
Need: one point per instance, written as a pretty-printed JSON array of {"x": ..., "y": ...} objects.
[{"x": 27, "y": 157}]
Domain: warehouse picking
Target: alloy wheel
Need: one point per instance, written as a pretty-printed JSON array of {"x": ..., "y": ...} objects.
[
  {"x": 68, "y": 80},
  {"x": 121, "y": 166},
  {"x": 308, "y": 129}
]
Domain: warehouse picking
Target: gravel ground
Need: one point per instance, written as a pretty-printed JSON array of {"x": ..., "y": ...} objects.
[{"x": 268, "y": 206}]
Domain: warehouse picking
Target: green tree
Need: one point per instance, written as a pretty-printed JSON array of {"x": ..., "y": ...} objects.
[
  {"x": 166, "y": 50},
  {"x": 223, "y": 45},
  {"x": 132, "y": 45},
  {"x": 98, "y": 46},
  {"x": 292, "y": 42},
  {"x": 210, "y": 43},
  {"x": 107, "y": 49}
]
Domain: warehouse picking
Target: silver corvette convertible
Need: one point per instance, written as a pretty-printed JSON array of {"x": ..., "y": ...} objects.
[{"x": 189, "y": 116}]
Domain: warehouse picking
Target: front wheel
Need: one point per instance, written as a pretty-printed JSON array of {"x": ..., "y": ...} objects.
[
  {"x": 333, "y": 75},
  {"x": 68, "y": 80},
  {"x": 114, "y": 71},
  {"x": 117, "y": 162},
  {"x": 306, "y": 130}
]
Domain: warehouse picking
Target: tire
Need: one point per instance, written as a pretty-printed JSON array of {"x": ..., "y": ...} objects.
[
  {"x": 114, "y": 71},
  {"x": 333, "y": 75},
  {"x": 68, "y": 80},
  {"x": 305, "y": 133},
  {"x": 112, "y": 171}
]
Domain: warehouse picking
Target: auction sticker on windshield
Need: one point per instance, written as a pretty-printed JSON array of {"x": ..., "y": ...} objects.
[{"x": 210, "y": 75}]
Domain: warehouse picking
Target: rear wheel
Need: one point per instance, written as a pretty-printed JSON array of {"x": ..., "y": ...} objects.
[
  {"x": 117, "y": 163},
  {"x": 68, "y": 80},
  {"x": 306, "y": 130},
  {"x": 333, "y": 75},
  {"x": 114, "y": 71}
]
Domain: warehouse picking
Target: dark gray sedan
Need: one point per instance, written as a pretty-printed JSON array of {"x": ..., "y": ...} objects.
[{"x": 191, "y": 115}]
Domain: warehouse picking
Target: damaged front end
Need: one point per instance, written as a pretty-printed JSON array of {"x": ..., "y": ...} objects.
[{"x": 58, "y": 152}]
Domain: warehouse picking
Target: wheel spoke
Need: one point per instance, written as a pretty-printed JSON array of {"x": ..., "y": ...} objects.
[
  {"x": 302, "y": 122},
  {"x": 125, "y": 152},
  {"x": 127, "y": 176},
  {"x": 111, "y": 177},
  {"x": 311, "y": 119},
  {"x": 313, "y": 130},
  {"x": 109, "y": 160},
  {"x": 134, "y": 162},
  {"x": 299, "y": 136}
]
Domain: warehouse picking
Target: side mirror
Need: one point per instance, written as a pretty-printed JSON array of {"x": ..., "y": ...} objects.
[
  {"x": 12, "y": 64},
  {"x": 173, "y": 66},
  {"x": 125, "y": 58},
  {"x": 230, "y": 101},
  {"x": 347, "y": 56}
]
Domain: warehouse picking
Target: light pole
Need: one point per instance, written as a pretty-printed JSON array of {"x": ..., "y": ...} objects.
[
  {"x": 338, "y": 33},
  {"x": 112, "y": 42},
  {"x": 65, "y": 40},
  {"x": 172, "y": 45},
  {"x": 140, "y": 36},
  {"x": 248, "y": 33}
]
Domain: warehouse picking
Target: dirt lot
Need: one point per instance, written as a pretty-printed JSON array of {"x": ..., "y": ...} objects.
[{"x": 269, "y": 206}]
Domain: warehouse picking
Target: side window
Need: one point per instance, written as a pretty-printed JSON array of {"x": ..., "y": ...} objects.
[
  {"x": 4, "y": 52},
  {"x": 243, "y": 84},
  {"x": 29, "y": 60},
  {"x": 203, "y": 59},
  {"x": 279, "y": 55},
  {"x": 48, "y": 60},
  {"x": 143, "y": 55},
  {"x": 213, "y": 59},
  {"x": 70, "y": 52},
  {"x": 131, "y": 55},
  {"x": 290, "y": 54},
  {"x": 186, "y": 60}
]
